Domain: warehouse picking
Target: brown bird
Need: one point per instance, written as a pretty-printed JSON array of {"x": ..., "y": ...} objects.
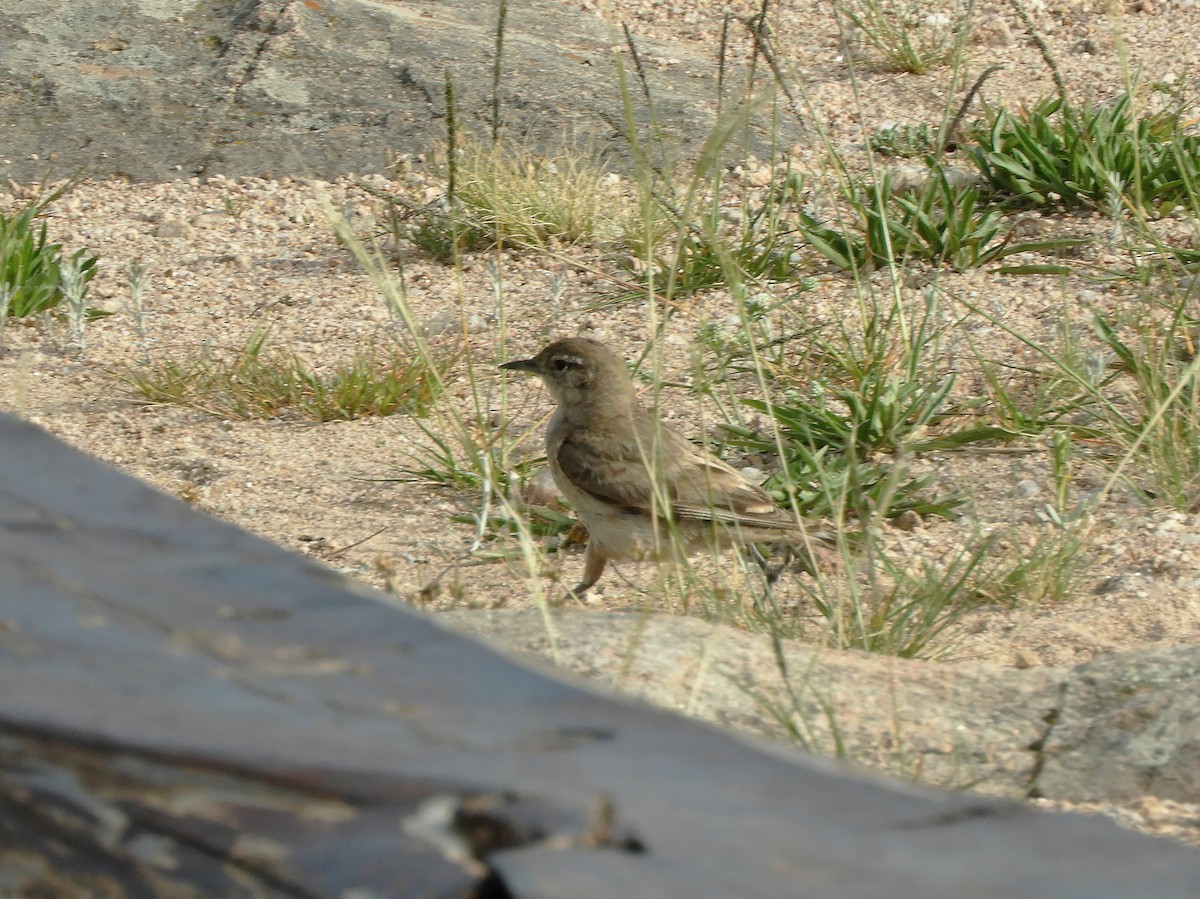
[{"x": 633, "y": 480}]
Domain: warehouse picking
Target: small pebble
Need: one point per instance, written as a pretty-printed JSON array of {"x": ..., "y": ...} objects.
[
  {"x": 174, "y": 229},
  {"x": 1025, "y": 659},
  {"x": 452, "y": 320},
  {"x": 208, "y": 219}
]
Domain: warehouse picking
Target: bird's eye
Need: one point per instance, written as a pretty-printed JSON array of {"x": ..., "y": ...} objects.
[{"x": 561, "y": 364}]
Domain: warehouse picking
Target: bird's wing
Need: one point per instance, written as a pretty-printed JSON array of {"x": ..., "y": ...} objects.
[
  {"x": 707, "y": 489},
  {"x": 697, "y": 484},
  {"x": 611, "y": 470}
]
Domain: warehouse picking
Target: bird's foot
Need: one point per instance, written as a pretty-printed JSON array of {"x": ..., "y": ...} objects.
[{"x": 771, "y": 573}]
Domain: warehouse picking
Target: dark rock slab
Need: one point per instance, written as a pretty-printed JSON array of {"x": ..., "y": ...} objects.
[
  {"x": 156, "y": 90},
  {"x": 176, "y": 694}
]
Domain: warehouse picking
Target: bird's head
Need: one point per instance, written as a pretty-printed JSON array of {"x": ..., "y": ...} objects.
[{"x": 579, "y": 372}]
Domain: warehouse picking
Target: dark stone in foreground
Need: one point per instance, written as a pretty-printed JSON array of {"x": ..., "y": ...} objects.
[{"x": 184, "y": 704}]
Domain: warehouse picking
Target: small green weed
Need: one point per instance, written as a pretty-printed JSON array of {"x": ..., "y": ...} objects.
[
  {"x": 905, "y": 35},
  {"x": 32, "y": 266},
  {"x": 902, "y": 606},
  {"x": 138, "y": 280},
  {"x": 827, "y": 454},
  {"x": 755, "y": 345},
  {"x": 905, "y": 606},
  {"x": 503, "y": 194},
  {"x": 528, "y": 199},
  {"x": 874, "y": 398},
  {"x": 761, "y": 244},
  {"x": 437, "y": 231},
  {"x": 5, "y": 300},
  {"x": 1038, "y": 569},
  {"x": 1158, "y": 424},
  {"x": 482, "y": 462},
  {"x": 259, "y": 383},
  {"x": 1038, "y": 402},
  {"x": 883, "y": 414},
  {"x": 1029, "y": 401}
]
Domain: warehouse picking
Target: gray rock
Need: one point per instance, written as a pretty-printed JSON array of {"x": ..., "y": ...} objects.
[
  {"x": 993, "y": 31},
  {"x": 158, "y": 91},
  {"x": 1129, "y": 726},
  {"x": 946, "y": 725},
  {"x": 908, "y": 520},
  {"x": 170, "y": 682},
  {"x": 1027, "y": 489},
  {"x": 1109, "y": 730}
]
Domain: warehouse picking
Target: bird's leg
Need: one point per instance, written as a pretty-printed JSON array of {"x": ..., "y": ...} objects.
[
  {"x": 771, "y": 574},
  {"x": 594, "y": 561}
]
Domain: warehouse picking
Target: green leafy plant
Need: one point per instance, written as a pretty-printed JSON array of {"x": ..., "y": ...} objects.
[
  {"x": 1053, "y": 153},
  {"x": 73, "y": 278},
  {"x": 32, "y": 266},
  {"x": 905, "y": 141},
  {"x": 1060, "y": 397},
  {"x": 943, "y": 224},
  {"x": 882, "y": 413},
  {"x": 873, "y": 398},
  {"x": 827, "y": 452},
  {"x": 824, "y": 483}
]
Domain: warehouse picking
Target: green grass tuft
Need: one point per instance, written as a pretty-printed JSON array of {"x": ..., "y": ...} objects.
[{"x": 258, "y": 382}]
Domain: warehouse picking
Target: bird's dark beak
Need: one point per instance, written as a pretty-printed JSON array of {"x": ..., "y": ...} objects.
[{"x": 521, "y": 365}]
